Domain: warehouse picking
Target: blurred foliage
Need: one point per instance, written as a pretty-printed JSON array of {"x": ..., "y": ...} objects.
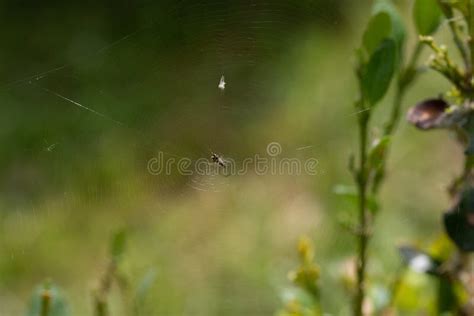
[
  {"x": 303, "y": 299},
  {"x": 71, "y": 177},
  {"x": 47, "y": 300},
  {"x": 150, "y": 66}
]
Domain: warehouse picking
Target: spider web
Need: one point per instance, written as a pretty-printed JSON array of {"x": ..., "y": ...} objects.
[
  {"x": 89, "y": 92},
  {"x": 151, "y": 79}
]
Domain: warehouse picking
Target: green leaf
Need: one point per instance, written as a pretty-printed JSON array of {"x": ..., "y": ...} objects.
[
  {"x": 427, "y": 15},
  {"x": 377, "y": 152},
  {"x": 379, "y": 28},
  {"x": 117, "y": 245},
  {"x": 398, "y": 28},
  {"x": 378, "y": 73},
  {"x": 447, "y": 300},
  {"x": 350, "y": 194},
  {"x": 372, "y": 204},
  {"x": 415, "y": 291}
]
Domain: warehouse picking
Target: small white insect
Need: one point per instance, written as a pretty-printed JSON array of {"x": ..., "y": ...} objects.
[
  {"x": 51, "y": 147},
  {"x": 221, "y": 83}
]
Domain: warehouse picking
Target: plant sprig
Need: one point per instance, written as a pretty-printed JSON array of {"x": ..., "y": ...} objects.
[{"x": 370, "y": 171}]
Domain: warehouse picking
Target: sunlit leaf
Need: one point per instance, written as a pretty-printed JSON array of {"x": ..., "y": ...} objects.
[
  {"x": 441, "y": 248},
  {"x": 398, "y": 32},
  {"x": 427, "y": 15},
  {"x": 379, "y": 28},
  {"x": 378, "y": 73},
  {"x": 416, "y": 292}
]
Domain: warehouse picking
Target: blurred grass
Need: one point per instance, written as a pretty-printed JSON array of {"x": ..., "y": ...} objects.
[{"x": 224, "y": 253}]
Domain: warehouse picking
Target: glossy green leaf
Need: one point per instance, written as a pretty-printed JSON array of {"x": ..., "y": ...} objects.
[
  {"x": 398, "y": 32},
  {"x": 379, "y": 28},
  {"x": 378, "y": 73},
  {"x": 427, "y": 15}
]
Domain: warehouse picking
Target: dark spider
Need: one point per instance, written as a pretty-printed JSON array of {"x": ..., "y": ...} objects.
[{"x": 218, "y": 160}]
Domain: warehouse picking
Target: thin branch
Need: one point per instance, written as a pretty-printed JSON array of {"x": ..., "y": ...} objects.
[{"x": 363, "y": 237}]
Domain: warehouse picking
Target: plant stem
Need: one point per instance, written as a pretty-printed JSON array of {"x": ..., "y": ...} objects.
[
  {"x": 363, "y": 237},
  {"x": 405, "y": 78},
  {"x": 463, "y": 49},
  {"x": 100, "y": 308},
  {"x": 45, "y": 302},
  {"x": 392, "y": 123},
  {"x": 470, "y": 23}
]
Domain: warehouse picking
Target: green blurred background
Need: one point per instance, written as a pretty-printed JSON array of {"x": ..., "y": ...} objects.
[{"x": 217, "y": 245}]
